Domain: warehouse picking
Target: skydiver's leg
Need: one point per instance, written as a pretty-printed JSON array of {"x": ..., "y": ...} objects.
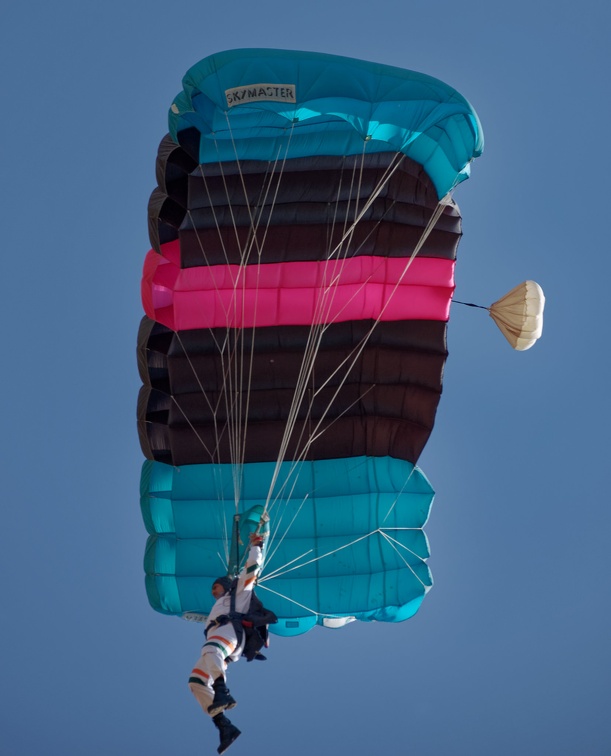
[
  {"x": 227, "y": 731},
  {"x": 207, "y": 681},
  {"x": 205, "y": 690},
  {"x": 221, "y": 643},
  {"x": 200, "y": 683}
]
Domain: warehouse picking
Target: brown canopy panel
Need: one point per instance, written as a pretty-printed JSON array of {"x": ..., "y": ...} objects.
[
  {"x": 384, "y": 405},
  {"x": 299, "y": 208}
]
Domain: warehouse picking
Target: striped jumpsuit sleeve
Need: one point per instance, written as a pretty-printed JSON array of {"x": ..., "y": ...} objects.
[{"x": 247, "y": 579}]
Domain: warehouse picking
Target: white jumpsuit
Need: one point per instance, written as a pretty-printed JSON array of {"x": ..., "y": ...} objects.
[{"x": 222, "y": 642}]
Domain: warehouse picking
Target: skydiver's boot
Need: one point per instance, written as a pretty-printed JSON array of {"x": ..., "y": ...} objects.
[
  {"x": 222, "y": 698},
  {"x": 228, "y": 732}
]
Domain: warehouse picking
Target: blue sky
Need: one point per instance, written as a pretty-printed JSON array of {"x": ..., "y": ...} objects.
[{"x": 510, "y": 652}]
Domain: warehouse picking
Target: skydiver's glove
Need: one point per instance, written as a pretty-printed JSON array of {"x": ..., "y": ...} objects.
[{"x": 222, "y": 619}]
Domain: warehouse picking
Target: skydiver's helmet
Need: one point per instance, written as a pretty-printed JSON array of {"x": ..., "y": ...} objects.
[{"x": 224, "y": 581}]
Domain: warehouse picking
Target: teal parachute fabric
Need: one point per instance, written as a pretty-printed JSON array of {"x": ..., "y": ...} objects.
[
  {"x": 330, "y": 106},
  {"x": 363, "y": 516},
  {"x": 293, "y": 177}
]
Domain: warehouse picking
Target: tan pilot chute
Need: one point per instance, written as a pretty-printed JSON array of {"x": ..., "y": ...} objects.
[{"x": 519, "y": 314}]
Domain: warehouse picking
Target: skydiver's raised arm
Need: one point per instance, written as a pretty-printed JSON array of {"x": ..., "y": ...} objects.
[{"x": 249, "y": 573}]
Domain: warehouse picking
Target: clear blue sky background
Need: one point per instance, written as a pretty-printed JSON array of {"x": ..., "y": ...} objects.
[{"x": 510, "y": 653}]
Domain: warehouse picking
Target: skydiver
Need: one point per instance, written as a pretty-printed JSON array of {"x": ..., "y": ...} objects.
[{"x": 224, "y": 643}]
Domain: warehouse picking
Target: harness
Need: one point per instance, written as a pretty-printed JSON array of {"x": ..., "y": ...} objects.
[{"x": 250, "y": 626}]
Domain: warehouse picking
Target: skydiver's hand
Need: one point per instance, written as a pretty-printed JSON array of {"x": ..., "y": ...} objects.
[{"x": 256, "y": 539}]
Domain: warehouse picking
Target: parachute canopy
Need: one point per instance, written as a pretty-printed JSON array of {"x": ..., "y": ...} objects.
[
  {"x": 519, "y": 314},
  {"x": 242, "y": 104},
  {"x": 293, "y": 347}
]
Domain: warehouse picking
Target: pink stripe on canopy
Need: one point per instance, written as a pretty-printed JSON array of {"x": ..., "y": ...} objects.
[{"x": 295, "y": 293}]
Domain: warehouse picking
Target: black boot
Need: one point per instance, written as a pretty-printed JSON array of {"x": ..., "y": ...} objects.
[
  {"x": 222, "y": 698},
  {"x": 227, "y": 731}
]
